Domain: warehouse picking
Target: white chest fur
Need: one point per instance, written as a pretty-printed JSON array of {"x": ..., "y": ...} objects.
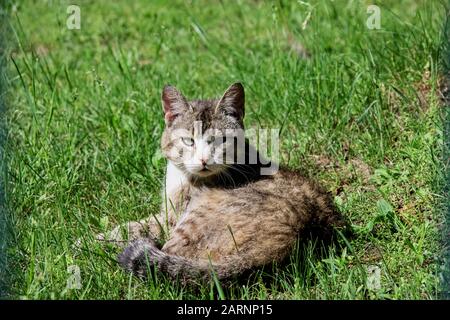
[{"x": 175, "y": 180}]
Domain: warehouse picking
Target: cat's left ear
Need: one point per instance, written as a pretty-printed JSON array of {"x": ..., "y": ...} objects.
[
  {"x": 174, "y": 103},
  {"x": 233, "y": 101}
]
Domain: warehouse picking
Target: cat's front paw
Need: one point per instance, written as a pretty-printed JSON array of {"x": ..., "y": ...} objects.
[
  {"x": 123, "y": 234},
  {"x": 114, "y": 237}
]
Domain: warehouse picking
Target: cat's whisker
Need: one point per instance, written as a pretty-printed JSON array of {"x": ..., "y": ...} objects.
[
  {"x": 229, "y": 176},
  {"x": 241, "y": 172}
]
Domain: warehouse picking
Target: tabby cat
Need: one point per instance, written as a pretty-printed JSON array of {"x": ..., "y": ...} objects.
[{"x": 223, "y": 217}]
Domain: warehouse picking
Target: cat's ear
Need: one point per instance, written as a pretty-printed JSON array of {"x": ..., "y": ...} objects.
[
  {"x": 174, "y": 103},
  {"x": 233, "y": 101}
]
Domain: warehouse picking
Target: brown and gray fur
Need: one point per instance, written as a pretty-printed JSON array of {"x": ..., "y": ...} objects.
[{"x": 232, "y": 220}]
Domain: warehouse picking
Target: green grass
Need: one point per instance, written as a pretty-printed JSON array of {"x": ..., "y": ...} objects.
[{"x": 362, "y": 116}]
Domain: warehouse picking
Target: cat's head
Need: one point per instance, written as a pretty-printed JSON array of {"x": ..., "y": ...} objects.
[{"x": 199, "y": 135}]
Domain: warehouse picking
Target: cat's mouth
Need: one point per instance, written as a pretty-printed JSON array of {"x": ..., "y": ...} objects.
[{"x": 206, "y": 171}]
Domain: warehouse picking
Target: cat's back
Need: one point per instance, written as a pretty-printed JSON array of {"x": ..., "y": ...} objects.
[
  {"x": 283, "y": 191},
  {"x": 267, "y": 213}
]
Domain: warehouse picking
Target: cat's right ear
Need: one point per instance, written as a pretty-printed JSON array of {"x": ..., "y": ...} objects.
[
  {"x": 174, "y": 103},
  {"x": 233, "y": 101}
]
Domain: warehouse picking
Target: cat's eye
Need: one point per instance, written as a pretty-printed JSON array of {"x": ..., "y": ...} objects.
[
  {"x": 211, "y": 139},
  {"x": 188, "y": 141}
]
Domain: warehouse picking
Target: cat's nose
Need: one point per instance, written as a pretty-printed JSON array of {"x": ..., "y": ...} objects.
[{"x": 203, "y": 161}]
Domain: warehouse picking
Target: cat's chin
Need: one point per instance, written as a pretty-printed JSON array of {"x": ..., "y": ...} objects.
[{"x": 204, "y": 174}]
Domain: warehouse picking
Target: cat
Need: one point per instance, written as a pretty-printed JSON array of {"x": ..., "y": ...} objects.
[{"x": 224, "y": 218}]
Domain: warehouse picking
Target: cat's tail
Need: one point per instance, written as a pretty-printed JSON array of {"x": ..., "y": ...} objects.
[{"x": 142, "y": 254}]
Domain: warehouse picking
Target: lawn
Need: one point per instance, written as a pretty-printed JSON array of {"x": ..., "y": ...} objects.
[{"x": 359, "y": 109}]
